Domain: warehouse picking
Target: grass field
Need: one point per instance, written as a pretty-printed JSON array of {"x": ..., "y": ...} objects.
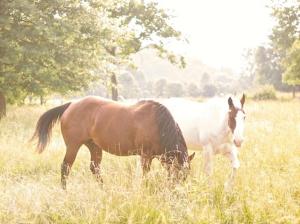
[{"x": 267, "y": 188}]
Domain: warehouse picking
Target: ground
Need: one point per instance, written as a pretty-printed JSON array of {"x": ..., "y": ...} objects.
[{"x": 266, "y": 190}]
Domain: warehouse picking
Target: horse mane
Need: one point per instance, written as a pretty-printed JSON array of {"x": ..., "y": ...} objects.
[{"x": 171, "y": 137}]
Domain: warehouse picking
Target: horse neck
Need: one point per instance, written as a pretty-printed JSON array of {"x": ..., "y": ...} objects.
[
  {"x": 225, "y": 130},
  {"x": 219, "y": 117}
]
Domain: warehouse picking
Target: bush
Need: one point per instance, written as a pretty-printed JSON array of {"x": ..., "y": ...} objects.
[{"x": 266, "y": 92}]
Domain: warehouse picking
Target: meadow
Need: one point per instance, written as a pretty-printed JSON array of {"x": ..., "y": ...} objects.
[{"x": 266, "y": 190}]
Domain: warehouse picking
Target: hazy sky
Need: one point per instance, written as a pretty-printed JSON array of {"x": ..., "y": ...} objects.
[{"x": 219, "y": 31}]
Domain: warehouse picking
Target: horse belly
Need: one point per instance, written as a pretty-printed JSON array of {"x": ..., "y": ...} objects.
[
  {"x": 114, "y": 131},
  {"x": 116, "y": 143}
]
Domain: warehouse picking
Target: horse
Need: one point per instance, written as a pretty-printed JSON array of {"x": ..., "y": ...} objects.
[
  {"x": 216, "y": 126},
  {"x": 146, "y": 128}
]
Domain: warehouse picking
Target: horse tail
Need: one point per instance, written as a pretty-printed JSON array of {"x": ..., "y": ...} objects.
[{"x": 45, "y": 124}]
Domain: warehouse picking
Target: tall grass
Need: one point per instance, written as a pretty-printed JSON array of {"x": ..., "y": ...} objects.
[{"x": 267, "y": 188}]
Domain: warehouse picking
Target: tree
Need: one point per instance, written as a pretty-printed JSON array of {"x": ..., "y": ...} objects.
[
  {"x": 2, "y": 105},
  {"x": 286, "y": 30},
  {"x": 205, "y": 79},
  {"x": 247, "y": 77},
  {"x": 174, "y": 89},
  {"x": 61, "y": 46},
  {"x": 149, "y": 89},
  {"x": 292, "y": 66},
  {"x": 193, "y": 90},
  {"x": 209, "y": 90},
  {"x": 284, "y": 38},
  {"x": 267, "y": 70},
  {"x": 48, "y": 46},
  {"x": 128, "y": 85},
  {"x": 160, "y": 87},
  {"x": 149, "y": 27},
  {"x": 141, "y": 82}
]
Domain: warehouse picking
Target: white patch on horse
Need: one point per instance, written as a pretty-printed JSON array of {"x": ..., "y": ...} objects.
[{"x": 238, "y": 134}]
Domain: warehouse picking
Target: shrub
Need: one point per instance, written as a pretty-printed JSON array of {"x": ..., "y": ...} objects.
[{"x": 266, "y": 92}]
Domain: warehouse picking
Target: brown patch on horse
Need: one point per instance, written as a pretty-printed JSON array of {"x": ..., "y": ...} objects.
[{"x": 233, "y": 112}]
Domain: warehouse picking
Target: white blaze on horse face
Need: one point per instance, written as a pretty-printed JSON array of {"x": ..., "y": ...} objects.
[{"x": 238, "y": 134}]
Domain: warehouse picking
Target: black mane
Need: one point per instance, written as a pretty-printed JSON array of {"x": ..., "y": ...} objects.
[{"x": 170, "y": 134}]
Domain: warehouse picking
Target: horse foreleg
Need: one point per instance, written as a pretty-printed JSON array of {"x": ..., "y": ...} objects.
[
  {"x": 67, "y": 163},
  {"x": 208, "y": 160},
  {"x": 65, "y": 170},
  {"x": 96, "y": 157},
  {"x": 235, "y": 163},
  {"x": 146, "y": 163}
]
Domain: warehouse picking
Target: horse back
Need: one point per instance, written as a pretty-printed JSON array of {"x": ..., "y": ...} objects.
[{"x": 117, "y": 128}]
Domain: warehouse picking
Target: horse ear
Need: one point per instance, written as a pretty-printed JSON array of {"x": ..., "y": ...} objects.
[
  {"x": 191, "y": 156},
  {"x": 230, "y": 103},
  {"x": 243, "y": 100}
]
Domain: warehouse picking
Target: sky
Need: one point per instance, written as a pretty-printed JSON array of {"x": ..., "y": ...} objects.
[{"x": 220, "y": 31}]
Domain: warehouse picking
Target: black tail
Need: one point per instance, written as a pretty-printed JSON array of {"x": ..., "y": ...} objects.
[{"x": 44, "y": 125}]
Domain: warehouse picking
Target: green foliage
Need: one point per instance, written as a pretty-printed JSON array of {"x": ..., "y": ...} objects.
[
  {"x": 47, "y": 46},
  {"x": 62, "y": 46},
  {"x": 265, "y": 67},
  {"x": 277, "y": 64},
  {"x": 148, "y": 21},
  {"x": 286, "y": 29},
  {"x": 267, "y": 71},
  {"x": 266, "y": 92},
  {"x": 292, "y": 65},
  {"x": 285, "y": 39}
]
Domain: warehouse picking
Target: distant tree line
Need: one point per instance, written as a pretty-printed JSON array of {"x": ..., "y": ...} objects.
[
  {"x": 278, "y": 63},
  {"x": 134, "y": 84}
]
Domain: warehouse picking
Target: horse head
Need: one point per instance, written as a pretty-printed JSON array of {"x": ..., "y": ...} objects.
[
  {"x": 177, "y": 163},
  {"x": 236, "y": 120}
]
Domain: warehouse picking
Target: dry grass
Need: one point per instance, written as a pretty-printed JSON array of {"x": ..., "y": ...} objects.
[{"x": 267, "y": 188}]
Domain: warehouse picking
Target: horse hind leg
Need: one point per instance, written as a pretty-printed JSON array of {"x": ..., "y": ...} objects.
[
  {"x": 96, "y": 157},
  {"x": 68, "y": 161},
  {"x": 208, "y": 160}
]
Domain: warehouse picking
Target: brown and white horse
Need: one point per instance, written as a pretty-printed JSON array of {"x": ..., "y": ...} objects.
[
  {"x": 216, "y": 126},
  {"x": 146, "y": 128}
]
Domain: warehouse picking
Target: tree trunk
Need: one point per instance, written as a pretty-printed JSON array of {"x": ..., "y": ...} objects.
[
  {"x": 42, "y": 100},
  {"x": 114, "y": 87},
  {"x": 2, "y": 105},
  {"x": 294, "y": 91}
]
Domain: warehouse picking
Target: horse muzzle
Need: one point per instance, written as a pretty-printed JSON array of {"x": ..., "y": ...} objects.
[{"x": 238, "y": 143}]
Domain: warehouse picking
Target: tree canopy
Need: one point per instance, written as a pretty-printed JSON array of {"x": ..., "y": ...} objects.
[
  {"x": 292, "y": 65},
  {"x": 278, "y": 63},
  {"x": 285, "y": 39},
  {"x": 62, "y": 45}
]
